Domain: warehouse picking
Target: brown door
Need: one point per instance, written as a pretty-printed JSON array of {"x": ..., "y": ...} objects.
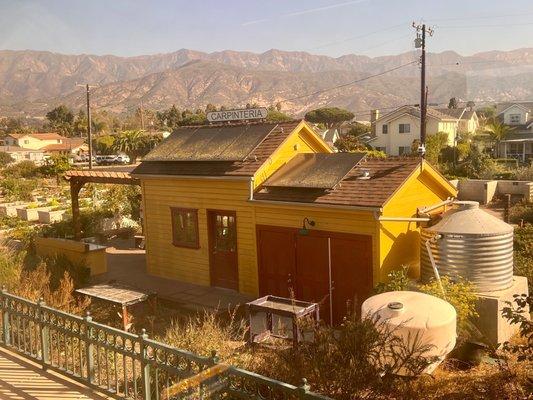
[
  {"x": 312, "y": 272},
  {"x": 283, "y": 254},
  {"x": 351, "y": 273},
  {"x": 222, "y": 231},
  {"x": 276, "y": 260}
]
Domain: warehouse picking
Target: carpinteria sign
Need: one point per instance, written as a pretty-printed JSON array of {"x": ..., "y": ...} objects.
[{"x": 234, "y": 115}]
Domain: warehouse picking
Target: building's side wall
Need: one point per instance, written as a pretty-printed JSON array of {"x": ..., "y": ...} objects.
[
  {"x": 400, "y": 241},
  {"x": 192, "y": 265},
  {"x": 29, "y": 142},
  {"x": 393, "y": 140}
]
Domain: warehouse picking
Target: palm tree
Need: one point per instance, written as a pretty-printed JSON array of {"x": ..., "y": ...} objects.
[
  {"x": 130, "y": 142},
  {"x": 498, "y": 131}
]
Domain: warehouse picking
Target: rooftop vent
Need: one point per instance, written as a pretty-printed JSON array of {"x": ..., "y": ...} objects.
[{"x": 365, "y": 174}]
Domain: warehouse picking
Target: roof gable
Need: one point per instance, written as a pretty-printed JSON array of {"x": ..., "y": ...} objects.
[{"x": 518, "y": 105}]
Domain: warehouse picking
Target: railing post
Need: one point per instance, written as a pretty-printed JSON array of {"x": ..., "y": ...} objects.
[
  {"x": 303, "y": 389},
  {"x": 5, "y": 317},
  {"x": 210, "y": 382},
  {"x": 145, "y": 366},
  {"x": 89, "y": 350},
  {"x": 45, "y": 335}
]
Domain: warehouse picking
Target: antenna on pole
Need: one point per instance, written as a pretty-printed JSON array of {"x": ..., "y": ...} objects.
[
  {"x": 89, "y": 121},
  {"x": 420, "y": 43}
]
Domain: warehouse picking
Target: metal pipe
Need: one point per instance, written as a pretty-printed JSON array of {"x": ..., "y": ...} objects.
[
  {"x": 425, "y": 210},
  {"x": 403, "y": 219},
  {"x": 434, "y": 264},
  {"x": 330, "y": 284},
  {"x": 251, "y": 189}
]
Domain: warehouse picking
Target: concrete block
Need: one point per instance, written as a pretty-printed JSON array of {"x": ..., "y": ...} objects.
[
  {"x": 493, "y": 327},
  {"x": 482, "y": 191}
]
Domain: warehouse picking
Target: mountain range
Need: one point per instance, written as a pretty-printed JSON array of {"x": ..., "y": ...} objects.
[{"x": 32, "y": 82}]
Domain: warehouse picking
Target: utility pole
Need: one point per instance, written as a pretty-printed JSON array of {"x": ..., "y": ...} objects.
[
  {"x": 420, "y": 43},
  {"x": 89, "y": 122},
  {"x": 141, "y": 111}
]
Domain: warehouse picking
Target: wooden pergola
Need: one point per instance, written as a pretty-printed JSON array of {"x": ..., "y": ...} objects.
[{"x": 78, "y": 178}]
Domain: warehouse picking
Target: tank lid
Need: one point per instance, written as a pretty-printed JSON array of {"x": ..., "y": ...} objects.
[
  {"x": 469, "y": 219},
  {"x": 415, "y": 309}
]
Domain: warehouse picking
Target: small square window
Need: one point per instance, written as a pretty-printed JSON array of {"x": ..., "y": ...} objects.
[
  {"x": 185, "y": 227},
  {"x": 385, "y": 129},
  {"x": 514, "y": 118},
  {"x": 404, "y": 150},
  {"x": 404, "y": 128}
]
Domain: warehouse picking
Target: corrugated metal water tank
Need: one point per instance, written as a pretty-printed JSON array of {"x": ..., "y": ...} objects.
[{"x": 471, "y": 244}]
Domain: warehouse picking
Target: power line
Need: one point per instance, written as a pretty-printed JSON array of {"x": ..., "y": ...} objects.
[
  {"x": 390, "y": 28},
  {"x": 484, "y": 26},
  {"x": 482, "y": 17},
  {"x": 349, "y": 83}
]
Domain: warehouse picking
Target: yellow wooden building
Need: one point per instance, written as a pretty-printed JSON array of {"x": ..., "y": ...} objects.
[{"x": 269, "y": 208}]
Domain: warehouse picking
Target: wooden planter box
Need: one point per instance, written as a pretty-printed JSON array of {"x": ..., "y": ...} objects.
[
  {"x": 30, "y": 214},
  {"x": 91, "y": 254},
  {"x": 49, "y": 217},
  {"x": 10, "y": 209}
]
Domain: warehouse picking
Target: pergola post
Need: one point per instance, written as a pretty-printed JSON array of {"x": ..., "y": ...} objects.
[{"x": 75, "y": 187}]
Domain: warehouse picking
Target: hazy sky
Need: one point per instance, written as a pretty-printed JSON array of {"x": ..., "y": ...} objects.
[{"x": 331, "y": 27}]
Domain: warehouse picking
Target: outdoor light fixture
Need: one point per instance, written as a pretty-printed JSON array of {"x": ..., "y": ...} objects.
[{"x": 304, "y": 231}]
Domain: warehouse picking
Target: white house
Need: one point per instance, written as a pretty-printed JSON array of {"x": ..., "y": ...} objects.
[
  {"x": 519, "y": 142},
  {"x": 396, "y": 131}
]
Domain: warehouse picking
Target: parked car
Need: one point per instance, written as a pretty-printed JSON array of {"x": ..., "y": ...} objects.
[
  {"x": 123, "y": 159},
  {"x": 106, "y": 159}
]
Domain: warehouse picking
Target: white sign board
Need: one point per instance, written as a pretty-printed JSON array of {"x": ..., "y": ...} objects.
[{"x": 234, "y": 115}]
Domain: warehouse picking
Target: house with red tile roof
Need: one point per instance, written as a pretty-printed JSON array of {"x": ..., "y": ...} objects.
[
  {"x": 47, "y": 142},
  {"x": 269, "y": 208}
]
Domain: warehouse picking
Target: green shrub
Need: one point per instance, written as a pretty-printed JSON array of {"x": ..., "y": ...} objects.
[
  {"x": 11, "y": 222},
  {"x": 5, "y": 159},
  {"x": 523, "y": 253},
  {"x": 461, "y": 295},
  {"x": 524, "y": 174},
  {"x": 23, "y": 169},
  {"x": 397, "y": 280},
  {"x": 521, "y": 213},
  {"x": 18, "y": 189}
]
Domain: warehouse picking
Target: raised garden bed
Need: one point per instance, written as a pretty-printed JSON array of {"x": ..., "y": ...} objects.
[
  {"x": 51, "y": 216},
  {"x": 10, "y": 209},
  {"x": 30, "y": 214}
]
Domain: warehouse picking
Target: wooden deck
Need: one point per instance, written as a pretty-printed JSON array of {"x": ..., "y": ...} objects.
[{"x": 21, "y": 379}]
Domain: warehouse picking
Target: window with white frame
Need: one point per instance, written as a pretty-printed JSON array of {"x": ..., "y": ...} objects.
[
  {"x": 404, "y": 128},
  {"x": 514, "y": 118},
  {"x": 404, "y": 150}
]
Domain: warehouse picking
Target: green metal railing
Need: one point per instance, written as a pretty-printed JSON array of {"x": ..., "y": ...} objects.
[{"x": 124, "y": 365}]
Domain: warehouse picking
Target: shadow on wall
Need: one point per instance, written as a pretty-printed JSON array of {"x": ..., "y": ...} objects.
[{"x": 405, "y": 250}]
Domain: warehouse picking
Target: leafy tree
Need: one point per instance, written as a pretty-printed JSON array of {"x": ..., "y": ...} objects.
[
  {"x": 476, "y": 164},
  {"x": 359, "y": 129},
  {"x": 18, "y": 189},
  {"x": 169, "y": 118},
  {"x": 104, "y": 144},
  {"x": 130, "y": 142},
  {"x": 23, "y": 169},
  {"x": 434, "y": 145},
  {"x": 56, "y": 166},
  {"x": 5, "y": 159},
  {"x": 470, "y": 105},
  {"x": 210, "y": 107},
  {"x": 61, "y": 119},
  {"x": 277, "y": 116},
  {"x": 194, "y": 119},
  {"x": 452, "y": 103},
  {"x": 329, "y": 116},
  {"x": 487, "y": 112},
  {"x": 349, "y": 143},
  {"x": 498, "y": 131}
]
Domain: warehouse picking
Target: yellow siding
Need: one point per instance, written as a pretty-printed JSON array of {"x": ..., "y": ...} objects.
[
  {"x": 192, "y": 265},
  {"x": 303, "y": 140},
  {"x": 400, "y": 241}
]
